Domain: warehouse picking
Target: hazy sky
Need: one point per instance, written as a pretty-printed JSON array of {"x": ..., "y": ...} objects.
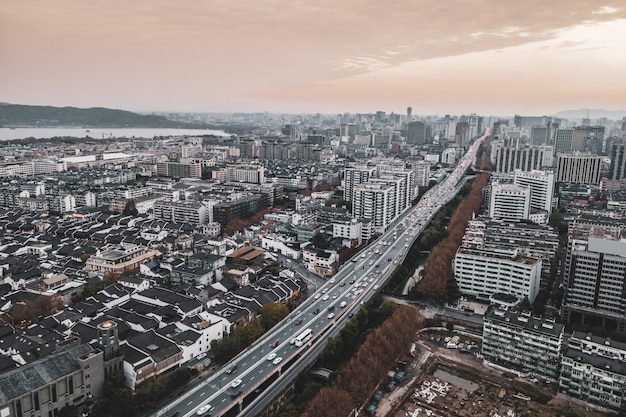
[{"x": 500, "y": 57}]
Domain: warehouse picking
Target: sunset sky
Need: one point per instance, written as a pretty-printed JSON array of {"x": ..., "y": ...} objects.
[{"x": 490, "y": 57}]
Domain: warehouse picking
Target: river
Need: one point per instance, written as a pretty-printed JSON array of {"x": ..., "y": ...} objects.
[{"x": 100, "y": 133}]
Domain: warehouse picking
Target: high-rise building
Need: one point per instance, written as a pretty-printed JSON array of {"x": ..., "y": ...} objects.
[
  {"x": 416, "y": 133},
  {"x": 595, "y": 274},
  {"x": 509, "y": 202},
  {"x": 578, "y": 168},
  {"x": 617, "y": 170},
  {"x": 409, "y": 115},
  {"x": 563, "y": 140},
  {"x": 375, "y": 202},
  {"x": 541, "y": 184},
  {"x": 355, "y": 176},
  {"x": 539, "y": 135},
  {"x": 529, "y": 158}
]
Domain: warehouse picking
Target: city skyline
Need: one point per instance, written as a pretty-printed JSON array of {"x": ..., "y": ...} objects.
[{"x": 489, "y": 57}]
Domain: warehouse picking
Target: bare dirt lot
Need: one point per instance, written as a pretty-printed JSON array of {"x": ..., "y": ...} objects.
[{"x": 443, "y": 382}]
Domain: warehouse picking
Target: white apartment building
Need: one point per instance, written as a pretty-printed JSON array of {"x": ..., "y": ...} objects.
[
  {"x": 355, "y": 176},
  {"x": 254, "y": 174},
  {"x": 509, "y": 202},
  {"x": 192, "y": 212},
  {"x": 375, "y": 202},
  {"x": 541, "y": 184},
  {"x": 578, "y": 168},
  {"x": 593, "y": 370},
  {"x": 483, "y": 273},
  {"x": 523, "y": 343}
]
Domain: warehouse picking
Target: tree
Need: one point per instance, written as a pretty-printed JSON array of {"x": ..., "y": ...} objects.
[
  {"x": 319, "y": 241},
  {"x": 272, "y": 313},
  {"x": 130, "y": 209}
]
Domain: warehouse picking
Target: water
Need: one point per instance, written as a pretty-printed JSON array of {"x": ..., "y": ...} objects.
[
  {"x": 455, "y": 380},
  {"x": 100, "y": 133}
]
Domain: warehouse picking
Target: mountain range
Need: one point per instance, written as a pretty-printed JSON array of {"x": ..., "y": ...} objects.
[
  {"x": 591, "y": 114},
  {"x": 48, "y": 116}
]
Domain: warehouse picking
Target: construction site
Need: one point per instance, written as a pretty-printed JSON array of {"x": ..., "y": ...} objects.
[{"x": 444, "y": 382}]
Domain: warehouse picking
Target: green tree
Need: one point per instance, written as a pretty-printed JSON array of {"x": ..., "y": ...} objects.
[
  {"x": 387, "y": 308},
  {"x": 272, "y": 313},
  {"x": 319, "y": 241}
]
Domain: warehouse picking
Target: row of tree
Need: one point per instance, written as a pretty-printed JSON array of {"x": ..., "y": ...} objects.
[
  {"x": 26, "y": 312},
  {"x": 360, "y": 376},
  {"x": 438, "y": 270}
]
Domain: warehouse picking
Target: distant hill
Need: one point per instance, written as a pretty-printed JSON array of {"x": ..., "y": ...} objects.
[
  {"x": 23, "y": 115},
  {"x": 593, "y": 114}
]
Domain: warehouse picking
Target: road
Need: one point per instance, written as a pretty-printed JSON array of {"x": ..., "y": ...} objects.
[{"x": 249, "y": 377}]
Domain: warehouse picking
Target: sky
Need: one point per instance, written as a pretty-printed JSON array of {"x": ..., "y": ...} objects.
[{"x": 489, "y": 57}]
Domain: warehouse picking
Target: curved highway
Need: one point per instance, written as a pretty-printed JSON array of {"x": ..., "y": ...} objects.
[{"x": 250, "y": 379}]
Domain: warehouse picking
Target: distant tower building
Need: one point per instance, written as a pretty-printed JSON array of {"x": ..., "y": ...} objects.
[
  {"x": 409, "y": 115},
  {"x": 617, "y": 170},
  {"x": 416, "y": 133},
  {"x": 563, "y": 141}
]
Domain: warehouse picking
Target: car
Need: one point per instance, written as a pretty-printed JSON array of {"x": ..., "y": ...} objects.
[
  {"x": 298, "y": 322},
  {"x": 331, "y": 308},
  {"x": 237, "y": 382},
  {"x": 331, "y": 315},
  {"x": 335, "y": 297},
  {"x": 325, "y": 290},
  {"x": 277, "y": 360},
  {"x": 276, "y": 342},
  {"x": 351, "y": 282},
  {"x": 231, "y": 369},
  {"x": 317, "y": 296},
  {"x": 235, "y": 394},
  {"x": 317, "y": 310},
  {"x": 332, "y": 280},
  {"x": 376, "y": 287},
  {"x": 292, "y": 341},
  {"x": 271, "y": 356},
  {"x": 342, "y": 284},
  {"x": 325, "y": 297},
  {"x": 203, "y": 409}
]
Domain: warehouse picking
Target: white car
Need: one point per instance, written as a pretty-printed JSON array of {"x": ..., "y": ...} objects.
[
  {"x": 271, "y": 356},
  {"x": 317, "y": 296},
  {"x": 325, "y": 297},
  {"x": 203, "y": 409},
  {"x": 332, "y": 280},
  {"x": 277, "y": 360},
  {"x": 376, "y": 287},
  {"x": 331, "y": 315},
  {"x": 236, "y": 383}
]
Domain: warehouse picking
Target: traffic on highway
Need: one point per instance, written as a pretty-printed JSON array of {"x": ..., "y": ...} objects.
[{"x": 230, "y": 390}]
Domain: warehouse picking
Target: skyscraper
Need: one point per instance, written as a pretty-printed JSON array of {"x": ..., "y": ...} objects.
[{"x": 617, "y": 170}]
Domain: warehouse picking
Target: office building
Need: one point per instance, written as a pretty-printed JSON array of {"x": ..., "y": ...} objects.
[
  {"x": 578, "y": 168},
  {"x": 563, "y": 140},
  {"x": 509, "y": 202},
  {"x": 541, "y": 185},
  {"x": 593, "y": 370},
  {"x": 416, "y": 133},
  {"x": 539, "y": 135},
  {"x": 482, "y": 273},
  {"x": 617, "y": 169},
  {"x": 224, "y": 213},
  {"x": 523, "y": 343},
  {"x": 595, "y": 273},
  {"x": 529, "y": 158}
]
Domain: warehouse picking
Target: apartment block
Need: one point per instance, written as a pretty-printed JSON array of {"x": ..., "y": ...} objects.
[
  {"x": 179, "y": 170},
  {"x": 375, "y": 202},
  {"x": 523, "y": 343},
  {"x": 578, "y": 168},
  {"x": 593, "y": 369},
  {"x": 192, "y": 212},
  {"x": 541, "y": 185}
]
